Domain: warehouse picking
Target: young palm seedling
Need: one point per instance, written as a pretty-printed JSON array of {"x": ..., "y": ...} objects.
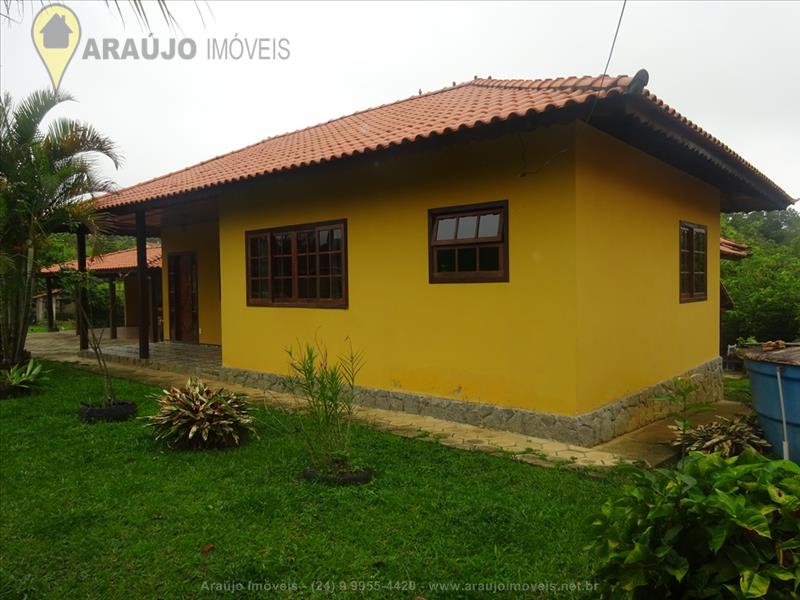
[{"x": 329, "y": 391}]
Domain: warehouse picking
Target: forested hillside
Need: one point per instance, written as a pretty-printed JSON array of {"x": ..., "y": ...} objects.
[{"x": 766, "y": 286}]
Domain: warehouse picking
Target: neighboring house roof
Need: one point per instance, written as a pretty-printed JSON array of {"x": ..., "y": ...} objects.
[
  {"x": 728, "y": 249},
  {"x": 56, "y": 292},
  {"x": 733, "y": 250},
  {"x": 120, "y": 261},
  {"x": 725, "y": 300},
  {"x": 467, "y": 106}
]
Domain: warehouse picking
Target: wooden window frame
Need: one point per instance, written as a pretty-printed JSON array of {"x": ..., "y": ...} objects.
[
  {"x": 692, "y": 296},
  {"x": 295, "y": 301},
  {"x": 500, "y": 241}
]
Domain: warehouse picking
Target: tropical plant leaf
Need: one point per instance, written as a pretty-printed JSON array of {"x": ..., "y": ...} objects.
[
  {"x": 221, "y": 417},
  {"x": 728, "y": 531}
]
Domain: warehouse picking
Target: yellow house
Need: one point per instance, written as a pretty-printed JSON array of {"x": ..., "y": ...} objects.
[{"x": 538, "y": 256}]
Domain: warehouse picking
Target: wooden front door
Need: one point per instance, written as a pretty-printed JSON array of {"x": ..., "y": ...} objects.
[{"x": 183, "y": 322}]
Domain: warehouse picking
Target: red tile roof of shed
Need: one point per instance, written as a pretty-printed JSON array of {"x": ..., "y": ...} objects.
[
  {"x": 733, "y": 250},
  {"x": 459, "y": 107},
  {"x": 113, "y": 262}
]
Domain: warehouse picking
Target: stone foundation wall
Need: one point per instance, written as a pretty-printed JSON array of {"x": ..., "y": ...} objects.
[{"x": 589, "y": 429}]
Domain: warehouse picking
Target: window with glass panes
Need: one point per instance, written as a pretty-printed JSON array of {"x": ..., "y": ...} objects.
[
  {"x": 468, "y": 243},
  {"x": 693, "y": 262},
  {"x": 303, "y": 265}
]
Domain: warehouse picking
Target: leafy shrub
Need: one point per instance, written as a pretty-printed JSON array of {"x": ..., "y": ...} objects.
[
  {"x": 21, "y": 378},
  {"x": 729, "y": 437},
  {"x": 713, "y": 528},
  {"x": 196, "y": 417},
  {"x": 329, "y": 391},
  {"x": 681, "y": 395}
]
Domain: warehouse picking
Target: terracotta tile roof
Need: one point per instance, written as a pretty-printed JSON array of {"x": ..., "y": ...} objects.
[
  {"x": 455, "y": 108},
  {"x": 56, "y": 292},
  {"x": 113, "y": 262},
  {"x": 733, "y": 250}
]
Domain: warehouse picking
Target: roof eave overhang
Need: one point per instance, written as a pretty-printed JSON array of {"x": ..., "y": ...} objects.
[
  {"x": 212, "y": 194},
  {"x": 631, "y": 117},
  {"x": 735, "y": 257},
  {"x": 742, "y": 188},
  {"x": 97, "y": 272}
]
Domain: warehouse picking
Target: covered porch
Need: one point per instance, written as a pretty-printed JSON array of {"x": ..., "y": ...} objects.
[
  {"x": 189, "y": 279},
  {"x": 184, "y": 357},
  {"x": 114, "y": 268},
  {"x": 177, "y": 357}
]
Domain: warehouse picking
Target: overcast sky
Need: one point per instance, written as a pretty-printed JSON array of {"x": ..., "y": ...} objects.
[{"x": 732, "y": 67}]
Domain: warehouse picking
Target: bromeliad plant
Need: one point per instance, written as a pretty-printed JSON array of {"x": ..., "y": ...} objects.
[
  {"x": 729, "y": 437},
  {"x": 329, "y": 392},
  {"x": 712, "y": 528},
  {"x": 21, "y": 378},
  {"x": 196, "y": 417}
]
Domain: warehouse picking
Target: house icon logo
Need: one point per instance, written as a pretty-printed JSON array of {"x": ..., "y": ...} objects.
[{"x": 56, "y": 33}]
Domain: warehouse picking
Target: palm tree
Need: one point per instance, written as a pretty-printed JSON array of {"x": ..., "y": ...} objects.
[
  {"x": 138, "y": 7},
  {"x": 47, "y": 179}
]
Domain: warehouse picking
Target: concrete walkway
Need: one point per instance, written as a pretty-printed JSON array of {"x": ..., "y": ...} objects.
[{"x": 172, "y": 362}]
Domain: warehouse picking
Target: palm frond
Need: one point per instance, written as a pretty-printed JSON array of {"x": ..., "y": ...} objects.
[
  {"x": 138, "y": 6},
  {"x": 99, "y": 224},
  {"x": 45, "y": 178},
  {"x": 140, "y": 12},
  {"x": 29, "y": 113},
  {"x": 66, "y": 138},
  {"x": 6, "y": 112}
]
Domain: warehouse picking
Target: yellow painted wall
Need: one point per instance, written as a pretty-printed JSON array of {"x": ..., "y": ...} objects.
[
  {"x": 632, "y": 330},
  {"x": 511, "y": 344},
  {"x": 591, "y": 311},
  {"x": 203, "y": 240}
]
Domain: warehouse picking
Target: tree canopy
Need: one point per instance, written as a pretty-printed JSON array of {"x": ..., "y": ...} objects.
[
  {"x": 48, "y": 173},
  {"x": 766, "y": 286}
]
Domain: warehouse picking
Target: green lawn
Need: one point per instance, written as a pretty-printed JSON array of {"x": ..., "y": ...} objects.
[
  {"x": 737, "y": 390},
  {"x": 102, "y": 511},
  {"x": 42, "y": 327}
]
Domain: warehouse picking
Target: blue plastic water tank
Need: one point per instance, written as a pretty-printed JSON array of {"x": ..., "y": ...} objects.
[{"x": 763, "y": 367}]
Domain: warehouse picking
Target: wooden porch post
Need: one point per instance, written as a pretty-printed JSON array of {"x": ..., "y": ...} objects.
[
  {"x": 153, "y": 307},
  {"x": 112, "y": 305},
  {"x": 83, "y": 331},
  {"x": 51, "y": 326},
  {"x": 141, "y": 271}
]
